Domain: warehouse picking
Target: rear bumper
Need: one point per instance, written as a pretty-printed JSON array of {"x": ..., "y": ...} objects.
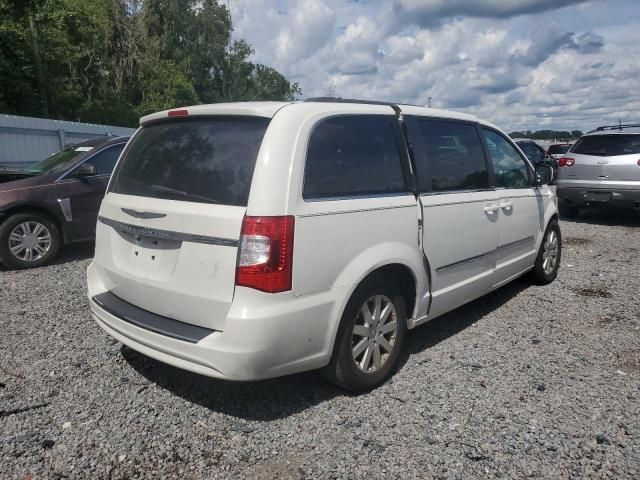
[
  {"x": 588, "y": 197},
  {"x": 265, "y": 336}
]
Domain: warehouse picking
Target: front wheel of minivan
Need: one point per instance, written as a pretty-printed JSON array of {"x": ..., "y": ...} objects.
[
  {"x": 547, "y": 263},
  {"x": 370, "y": 336}
]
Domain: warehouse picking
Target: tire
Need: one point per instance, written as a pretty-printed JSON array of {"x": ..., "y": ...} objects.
[
  {"x": 343, "y": 369},
  {"x": 543, "y": 273},
  {"x": 568, "y": 212},
  {"x": 43, "y": 242}
]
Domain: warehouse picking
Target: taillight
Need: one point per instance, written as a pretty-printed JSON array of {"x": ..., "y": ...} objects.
[
  {"x": 265, "y": 259},
  {"x": 178, "y": 113},
  {"x": 566, "y": 162},
  {"x": 639, "y": 162}
]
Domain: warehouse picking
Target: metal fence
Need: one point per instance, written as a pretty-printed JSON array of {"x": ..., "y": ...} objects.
[{"x": 26, "y": 140}]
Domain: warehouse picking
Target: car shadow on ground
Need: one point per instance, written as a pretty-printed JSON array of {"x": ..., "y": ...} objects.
[
  {"x": 607, "y": 217},
  {"x": 75, "y": 251},
  {"x": 269, "y": 400},
  {"x": 449, "y": 324}
]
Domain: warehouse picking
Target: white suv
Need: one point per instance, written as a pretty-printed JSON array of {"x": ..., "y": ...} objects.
[{"x": 252, "y": 240}]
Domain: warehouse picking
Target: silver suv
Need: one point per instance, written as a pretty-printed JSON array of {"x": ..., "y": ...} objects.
[{"x": 601, "y": 168}]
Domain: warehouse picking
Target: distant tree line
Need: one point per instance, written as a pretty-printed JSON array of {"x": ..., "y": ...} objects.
[
  {"x": 112, "y": 61},
  {"x": 547, "y": 134}
]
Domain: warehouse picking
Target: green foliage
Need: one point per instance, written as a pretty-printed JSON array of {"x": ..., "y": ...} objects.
[
  {"x": 112, "y": 61},
  {"x": 547, "y": 134}
]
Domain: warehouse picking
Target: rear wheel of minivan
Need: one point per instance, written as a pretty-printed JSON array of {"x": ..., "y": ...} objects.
[
  {"x": 370, "y": 336},
  {"x": 28, "y": 240}
]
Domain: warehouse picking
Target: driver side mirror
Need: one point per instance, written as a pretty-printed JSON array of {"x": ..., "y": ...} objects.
[
  {"x": 543, "y": 175},
  {"x": 85, "y": 170}
]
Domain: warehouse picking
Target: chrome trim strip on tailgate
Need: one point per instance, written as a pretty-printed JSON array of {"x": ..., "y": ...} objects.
[
  {"x": 167, "y": 234},
  {"x": 145, "y": 215},
  {"x": 150, "y": 321}
]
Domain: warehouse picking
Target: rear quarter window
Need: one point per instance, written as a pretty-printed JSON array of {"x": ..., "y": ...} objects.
[
  {"x": 206, "y": 160},
  {"x": 351, "y": 156}
]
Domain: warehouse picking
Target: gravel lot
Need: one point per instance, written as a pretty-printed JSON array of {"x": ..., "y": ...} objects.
[{"x": 527, "y": 382}]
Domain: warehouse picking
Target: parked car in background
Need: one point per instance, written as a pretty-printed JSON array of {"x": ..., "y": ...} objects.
[
  {"x": 601, "y": 169},
  {"x": 55, "y": 201},
  {"x": 253, "y": 240},
  {"x": 557, "y": 150},
  {"x": 535, "y": 153}
]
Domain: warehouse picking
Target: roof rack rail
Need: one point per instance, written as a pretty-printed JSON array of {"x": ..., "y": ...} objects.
[
  {"x": 349, "y": 100},
  {"x": 620, "y": 126},
  {"x": 393, "y": 105}
]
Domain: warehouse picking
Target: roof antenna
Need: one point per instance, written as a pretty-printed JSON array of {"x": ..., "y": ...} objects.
[
  {"x": 429, "y": 102},
  {"x": 620, "y": 123}
]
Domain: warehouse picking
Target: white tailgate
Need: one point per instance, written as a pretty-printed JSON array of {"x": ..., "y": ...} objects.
[{"x": 181, "y": 265}]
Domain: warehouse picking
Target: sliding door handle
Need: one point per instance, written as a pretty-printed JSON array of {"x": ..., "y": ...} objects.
[
  {"x": 506, "y": 205},
  {"x": 491, "y": 208}
]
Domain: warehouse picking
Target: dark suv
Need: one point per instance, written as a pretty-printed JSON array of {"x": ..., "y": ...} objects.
[
  {"x": 535, "y": 153},
  {"x": 55, "y": 201}
]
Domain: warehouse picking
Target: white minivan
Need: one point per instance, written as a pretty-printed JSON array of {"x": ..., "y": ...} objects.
[{"x": 251, "y": 240}]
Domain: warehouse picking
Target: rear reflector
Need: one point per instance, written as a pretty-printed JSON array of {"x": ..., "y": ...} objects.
[
  {"x": 178, "y": 113},
  {"x": 566, "y": 162},
  {"x": 265, "y": 259}
]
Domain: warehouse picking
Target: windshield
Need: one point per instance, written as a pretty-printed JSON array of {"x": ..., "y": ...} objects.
[
  {"x": 56, "y": 161},
  {"x": 558, "y": 149},
  {"x": 205, "y": 160},
  {"x": 608, "y": 145}
]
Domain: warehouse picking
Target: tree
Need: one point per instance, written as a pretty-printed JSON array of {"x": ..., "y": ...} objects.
[
  {"x": 547, "y": 134},
  {"x": 111, "y": 61}
]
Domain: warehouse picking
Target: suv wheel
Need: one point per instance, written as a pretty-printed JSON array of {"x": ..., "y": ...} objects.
[
  {"x": 370, "y": 337},
  {"x": 548, "y": 260},
  {"x": 28, "y": 240}
]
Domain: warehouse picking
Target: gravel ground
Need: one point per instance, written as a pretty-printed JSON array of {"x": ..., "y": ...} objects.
[{"x": 527, "y": 382}]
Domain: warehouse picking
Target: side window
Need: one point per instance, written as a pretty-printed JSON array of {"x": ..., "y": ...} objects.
[
  {"x": 353, "y": 155},
  {"x": 533, "y": 153},
  {"x": 454, "y": 157},
  {"x": 511, "y": 170},
  {"x": 105, "y": 160}
]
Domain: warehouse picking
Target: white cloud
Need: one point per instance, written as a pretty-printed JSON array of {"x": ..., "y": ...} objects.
[
  {"x": 521, "y": 64},
  {"x": 428, "y": 12},
  {"x": 309, "y": 26}
]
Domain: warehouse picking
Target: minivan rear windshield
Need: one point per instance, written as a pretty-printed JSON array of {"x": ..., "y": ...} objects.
[
  {"x": 607, "y": 145},
  {"x": 558, "y": 149},
  {"x": 205, "y": 160}
]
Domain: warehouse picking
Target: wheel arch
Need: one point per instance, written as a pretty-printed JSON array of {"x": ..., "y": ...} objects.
[
  {"x": 409, "y": 285},
  {"x": 31, "y": 208}
]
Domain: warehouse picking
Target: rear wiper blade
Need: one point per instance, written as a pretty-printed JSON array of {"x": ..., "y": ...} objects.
[{"x": 182, "y": 194}]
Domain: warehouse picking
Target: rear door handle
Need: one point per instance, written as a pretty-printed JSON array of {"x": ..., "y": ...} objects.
[
  {"x": 491, "y": 208},
  {"x": 506, "y": 205}
]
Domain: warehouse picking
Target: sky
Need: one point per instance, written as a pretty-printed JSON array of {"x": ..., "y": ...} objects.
[{"x": 522, "y": 64}]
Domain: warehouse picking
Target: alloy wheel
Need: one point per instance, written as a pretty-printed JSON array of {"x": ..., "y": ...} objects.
[
  {"x": 29, "y": 241},
  {"x": 374, "y": 334},
  {"x": 550, "y": 252}
]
